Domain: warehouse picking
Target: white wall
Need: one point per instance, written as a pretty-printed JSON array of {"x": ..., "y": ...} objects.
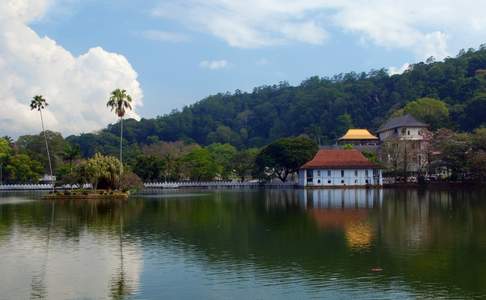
[
  {"x": 334, "y": 177},
  {"x": 404, "y": 133}
]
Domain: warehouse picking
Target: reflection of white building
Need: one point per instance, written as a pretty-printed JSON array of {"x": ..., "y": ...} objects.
[
  {"x": 346, "y": 209},
  {"x": 339, "y": 167},
  {"x": 342, "y": 198}
]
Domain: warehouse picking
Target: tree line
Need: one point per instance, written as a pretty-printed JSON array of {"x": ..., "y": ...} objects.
[
  {"x": 25, "y": 161},
  {"x": 320, "y": 107}
]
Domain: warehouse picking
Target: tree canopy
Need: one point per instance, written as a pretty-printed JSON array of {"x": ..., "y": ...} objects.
[
  {"x": 429, "y": 110},
  {"x": 285, "y": 156}
]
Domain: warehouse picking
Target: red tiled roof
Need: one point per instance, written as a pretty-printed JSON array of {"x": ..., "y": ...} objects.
[{"x": 339, "y": 159}]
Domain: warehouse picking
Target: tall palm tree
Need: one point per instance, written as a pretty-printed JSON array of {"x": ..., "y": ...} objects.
[
  {"x": 71, "y": 152},
  {"x": 39, "y": 103},
  {"x": 120, "y": 103}
]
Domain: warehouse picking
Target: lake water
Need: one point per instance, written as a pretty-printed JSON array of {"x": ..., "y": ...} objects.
[{"x": 254, "y": 244}]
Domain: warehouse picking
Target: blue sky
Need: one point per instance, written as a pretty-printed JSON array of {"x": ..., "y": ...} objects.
[
  {"x": 170, "y": 53},
  {"x": 170, "y": 72}
]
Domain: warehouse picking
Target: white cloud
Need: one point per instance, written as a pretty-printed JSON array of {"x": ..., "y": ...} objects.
[
  {"x": 75, "y": 87},
  {"x": 426, "y": 28},
  {"x": 246, "y": 24},
  {"x": 399, "y": 70},
  {"x": 165, "y": 36},
  {"x": 214, "y": 64}
]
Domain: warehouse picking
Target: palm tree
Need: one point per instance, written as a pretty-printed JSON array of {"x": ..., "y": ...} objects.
[
  {"x": 39, "y": 103},
  {"x": 71, "y": 152},
  {"x": 120, "y": 102}
]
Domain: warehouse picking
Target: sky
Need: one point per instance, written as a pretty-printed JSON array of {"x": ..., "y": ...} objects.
[{"x": 171, "y": 53}]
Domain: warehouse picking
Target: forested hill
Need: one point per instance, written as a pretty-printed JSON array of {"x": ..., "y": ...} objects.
[{"x": 322, "y": 108}]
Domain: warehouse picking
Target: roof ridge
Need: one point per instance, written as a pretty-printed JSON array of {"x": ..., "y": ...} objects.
[
  {"x": 406, "y": 120},
  {"x": 339, "y": 159}
]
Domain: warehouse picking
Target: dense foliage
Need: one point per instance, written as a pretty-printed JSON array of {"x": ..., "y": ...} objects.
[
  {"x": 322, "y": 108},
  {"x": 16, "y": 166},
  {"x": 284, "y": 157}
]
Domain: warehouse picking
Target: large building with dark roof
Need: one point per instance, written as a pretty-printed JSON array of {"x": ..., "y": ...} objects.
[
  {"x": 405, "y": 127},
  {"x": 339, "y": 167},
  {"x": 404, "y": 144}
]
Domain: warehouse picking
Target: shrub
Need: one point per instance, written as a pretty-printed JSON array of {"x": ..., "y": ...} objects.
[{"x": 130, "y": 181}]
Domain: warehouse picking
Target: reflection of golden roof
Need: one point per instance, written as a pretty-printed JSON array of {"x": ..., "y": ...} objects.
[
  {"x": 358, "y": 235},
  {"x": 328, "y": 218},
  {"x": 357, "y": 230},
  {"x": 358, "y": 134}
]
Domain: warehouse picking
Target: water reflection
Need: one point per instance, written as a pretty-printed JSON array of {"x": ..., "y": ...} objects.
[
  {"x": 345, "y": 210},
  {"x": 61, "y": 250},
  {"x": 248, "y": 244}
]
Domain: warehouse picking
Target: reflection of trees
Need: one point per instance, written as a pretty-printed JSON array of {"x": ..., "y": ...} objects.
[
  {"x": 419, "y": 237},
  {"x": 68, "y": 220},
  {"x": 119, "y": 285},
  {"x": 427, "y": 239},
  {"x": 38, "y": 285}
]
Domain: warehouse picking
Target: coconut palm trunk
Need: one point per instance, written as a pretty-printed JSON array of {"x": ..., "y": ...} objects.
[
  {"x": 47, "y": 145},
  {"x": 39, "y": 103},
  {"x": 121, "y": 146},
  {"x": 119, "y": 102}
]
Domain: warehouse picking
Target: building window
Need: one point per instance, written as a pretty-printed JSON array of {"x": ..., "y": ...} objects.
[
  {"x": 366, "y": 173},
  {"x": 403, "y": 131},
  {"x": 329, "y": 181},
  {"x": 356, "y": 173},
  {"x": 329, "y": 173},
  {"x": 366, "y": 181},
  {"x": 318, "y": 181},
  {"x": 342, "y": 173},
  {"x": 408, "y": 132},
  {"x": 342, "y": 181},
  {"x": 318, "y": 173},
  {"x": 309, "y": 176}
]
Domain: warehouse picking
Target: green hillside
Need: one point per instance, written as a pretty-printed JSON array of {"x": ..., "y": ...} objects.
[{"x": 322, "y": 108}]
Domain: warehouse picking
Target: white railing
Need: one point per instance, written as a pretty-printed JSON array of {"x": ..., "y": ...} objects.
[
  {"x": 38, "y": 187},
  {"x": 207, "y": 184},
  {"x": 155, "y": 185},
  {"x": 25, "y": 187}
]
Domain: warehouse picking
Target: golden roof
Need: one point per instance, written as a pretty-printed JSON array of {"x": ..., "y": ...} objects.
[{"x": 358, "y": 134}]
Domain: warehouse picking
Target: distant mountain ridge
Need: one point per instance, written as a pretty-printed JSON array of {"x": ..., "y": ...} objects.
[{"x": 322, "y": 108}]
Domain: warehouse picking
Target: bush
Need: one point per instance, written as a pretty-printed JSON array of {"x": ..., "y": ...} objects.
[{"x": 130, "y": 181}]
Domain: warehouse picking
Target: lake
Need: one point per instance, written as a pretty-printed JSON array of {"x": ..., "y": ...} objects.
[{"x": 246, "y": 244}]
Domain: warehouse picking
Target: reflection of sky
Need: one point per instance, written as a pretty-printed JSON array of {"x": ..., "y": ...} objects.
[
  {"x": 88, "y": 265},
  {"x": 170, "y": 250},
  {"x": 16, "y": 198},
  {"x": 177, "y": 272}
]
